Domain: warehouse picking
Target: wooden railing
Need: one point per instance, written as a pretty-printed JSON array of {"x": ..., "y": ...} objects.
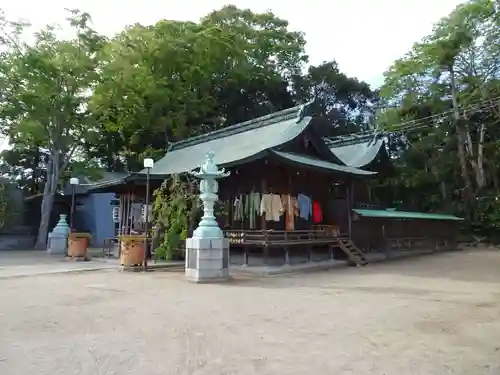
[
  {"x": 326, "y": 237},
  {"x": 269, "y": 238}
]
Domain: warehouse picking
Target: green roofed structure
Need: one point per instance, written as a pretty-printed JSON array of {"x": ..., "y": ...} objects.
[
  {"x": 285, "y": 135},
  {"x": 394, "y": 214},
  {"x": 263, "y": 137},
  {"x": 288, "y": 188}
]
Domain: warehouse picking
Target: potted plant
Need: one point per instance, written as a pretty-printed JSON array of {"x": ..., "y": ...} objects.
[
  {"x": 132, "y": 249},
  {"x": 78, "y": 244}
]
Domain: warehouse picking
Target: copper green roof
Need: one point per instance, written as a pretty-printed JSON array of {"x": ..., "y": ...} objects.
[
  {"x": 247, "y": 141},
  {"x": 393, "y": 214},
  {"x": 356, "y": 151},
  {"x": 320, "y": 164},
  {"x": 87, "y": 185},
  {"x": 237, "y": 143}
]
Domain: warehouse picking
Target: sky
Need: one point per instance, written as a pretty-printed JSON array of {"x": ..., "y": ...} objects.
[{"x": 364, "y": 36}]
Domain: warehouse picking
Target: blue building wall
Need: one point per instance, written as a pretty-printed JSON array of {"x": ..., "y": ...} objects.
[
  {"x": 84, "y": 214},
  {"x": 94, "y": 214},
  {"x": 104, "y": 227}
]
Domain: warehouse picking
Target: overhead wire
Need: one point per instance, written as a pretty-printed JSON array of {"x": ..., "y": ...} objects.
[{"x": 423, "y": 122}]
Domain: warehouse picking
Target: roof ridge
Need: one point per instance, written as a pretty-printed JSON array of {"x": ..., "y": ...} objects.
[
  {"x": 241, "y": 127},
  {"x": 350, "y": 140}
]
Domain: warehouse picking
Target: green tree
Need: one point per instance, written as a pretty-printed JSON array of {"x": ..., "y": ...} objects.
[
  {"x": 155, "y": 82},
  {"x": 451, "y": 80},
  {"x": 344, "y": 104},
  {"x": 175, "y": 79},
  {"x": 45, "y": 91},
  {"x": 25, "y": 165},
  {"x": 256, "y": 80}
]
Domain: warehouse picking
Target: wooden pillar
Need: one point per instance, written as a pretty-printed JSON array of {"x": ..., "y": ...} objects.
[
  {"x": 245, "y": 255},
  {"x": 287, "y": 254},
  {"x": 120, "y": 222},
  {"x": 128, "y": 212},
  {"x": 289, "y": 224},
  {"x": 263, "y": 188},
  {"x": 350, "y": 203}
]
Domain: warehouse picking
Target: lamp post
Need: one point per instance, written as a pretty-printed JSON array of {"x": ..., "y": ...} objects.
[
  {"x": 148, "y": 164},
  {"x": 73, "y": 182}
]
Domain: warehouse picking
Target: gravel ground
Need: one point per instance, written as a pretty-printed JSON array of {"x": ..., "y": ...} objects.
[
  {"x": 437, "y": 314},
  {"x": 30, "y": 263}
]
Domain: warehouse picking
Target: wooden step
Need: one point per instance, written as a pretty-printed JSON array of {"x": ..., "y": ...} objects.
[{"x": 354, "y": 254}]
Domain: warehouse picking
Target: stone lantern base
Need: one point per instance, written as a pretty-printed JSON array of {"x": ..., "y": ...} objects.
[{"x": 207, "y": 260}]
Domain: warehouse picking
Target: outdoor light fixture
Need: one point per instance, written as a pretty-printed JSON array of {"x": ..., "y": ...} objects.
[
  {"x": 148, "y": 164},
  {"x": 73, "y": 181}
]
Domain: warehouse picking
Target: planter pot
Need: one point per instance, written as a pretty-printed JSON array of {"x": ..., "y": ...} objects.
[
  {"x": 132, "y": 250},
  {"x": 78, "y": 244}
]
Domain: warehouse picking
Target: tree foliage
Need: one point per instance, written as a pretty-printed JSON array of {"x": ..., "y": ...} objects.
[
  {"x": 176, "y": 207},
  {"x": 344, "y": 104},
  {"x": 448, "y": 88},
  {"x": 45, "y": 91},
  {"x": 164, "y": 82}
]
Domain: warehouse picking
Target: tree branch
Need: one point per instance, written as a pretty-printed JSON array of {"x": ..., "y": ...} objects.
[{"x": 68, "y": 158}]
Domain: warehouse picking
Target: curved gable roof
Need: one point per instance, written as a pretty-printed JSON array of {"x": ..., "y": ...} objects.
[
  {"x": 321, "y": 164},
  {"x": 357, "y": 153},
  {"x": 236, "y": 143}
]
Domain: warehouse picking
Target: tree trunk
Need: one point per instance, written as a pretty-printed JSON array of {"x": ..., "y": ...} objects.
[
  {"x": 45, "y": 212},
  {"x": 159, "y": 234},
  {"x": 47, "y": 202},
  {"x": 494, "y": 175},
  {"x": 35, "y": 180},
  {"x": 476, "y": 163},
  {"x": 461, "y": 139},
  {"x": 480, "y": 175},
  {"x": 444, "y": 195}
]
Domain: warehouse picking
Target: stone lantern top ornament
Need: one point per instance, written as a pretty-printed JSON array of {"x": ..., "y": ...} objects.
[{"x": 209, "y": 169}]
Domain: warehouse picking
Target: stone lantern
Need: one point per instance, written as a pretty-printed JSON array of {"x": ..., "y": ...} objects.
[{"x": 207, "y": 252}]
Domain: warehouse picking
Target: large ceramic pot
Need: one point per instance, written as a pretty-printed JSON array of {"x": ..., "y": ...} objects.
[
  {"x": 132, "y": 250},
  {"x": 78, "y": 244}
]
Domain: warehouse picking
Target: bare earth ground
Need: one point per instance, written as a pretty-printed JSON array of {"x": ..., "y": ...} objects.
[{"x": 437, "y": 314}]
